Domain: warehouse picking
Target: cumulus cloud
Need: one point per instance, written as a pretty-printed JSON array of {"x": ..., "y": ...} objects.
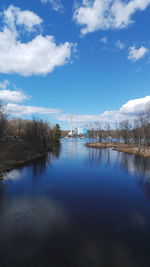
[
  {"x": 107, "y": 14},
  {"x": 39, "y": 56},
  {"x": 137, "y": 53},
  {"x": 55, "y": 4},
  {"x": 9, "y": 95},
  {"x": 14, "y": 16},
  {"x": 12, "y": 96},
  {"x": 130, "y": 110},
  {"x": 21, "y": 110},
  {"x": 136, "y": 106}
]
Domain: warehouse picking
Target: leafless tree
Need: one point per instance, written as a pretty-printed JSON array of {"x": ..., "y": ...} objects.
[{"x": 3, "y": 121}]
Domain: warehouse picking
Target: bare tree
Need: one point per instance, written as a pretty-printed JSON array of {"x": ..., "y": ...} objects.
[
  {"x": 125, "y": 130},
  {"x": 40, "y": 134},
  {"x": 3, "y": 121}
]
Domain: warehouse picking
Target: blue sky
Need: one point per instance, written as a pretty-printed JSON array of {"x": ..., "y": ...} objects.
[{"x": 94, "y": 63}]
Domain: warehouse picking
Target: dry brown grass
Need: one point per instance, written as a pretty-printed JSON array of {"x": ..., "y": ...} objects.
[
  {"x": 15, "y": 153},
  {"x": 131, "y": 149}
]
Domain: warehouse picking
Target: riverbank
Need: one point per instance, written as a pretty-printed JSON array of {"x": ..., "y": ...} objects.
[
  {"x": 130, "y": 149},
  {"x": 15, "y": 153}
]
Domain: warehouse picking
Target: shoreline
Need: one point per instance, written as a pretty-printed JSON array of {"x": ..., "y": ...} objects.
[
  {"x": 15, "y": 154},
  {"x": 130, "y": 149},
  {"x": 20, "y": 163}
]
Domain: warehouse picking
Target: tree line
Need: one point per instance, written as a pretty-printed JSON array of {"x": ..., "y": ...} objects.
[
  {"x": 38, "y": 133},
  {"x": 135, "y": 132}
]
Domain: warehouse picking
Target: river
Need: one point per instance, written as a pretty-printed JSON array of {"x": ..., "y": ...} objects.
[{"x": 79, "y": 207}]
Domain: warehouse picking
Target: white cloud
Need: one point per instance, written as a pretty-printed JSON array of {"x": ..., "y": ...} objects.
[
  {"x": 130, "y": 111},
  {"x": 21, "y": 110},
  {"x": 12, "y": 96},
  {"x": 137, "y": 53},
  {"x": 120, "y": 45},
  {"x": 136, "y": 106},
  {"x": 55, "y": 4},
  {"x": 14, "y": 16},
  {"x": 106, "y": 117},
  {"x": 107, "y": 14},
  {"x": 39, "y": 56},
  {"x": 9, "y": 95},
  {"x": 104, "y": 40}
]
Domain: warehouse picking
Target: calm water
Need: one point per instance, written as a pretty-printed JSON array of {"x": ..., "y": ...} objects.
[{"x": 80, "y": 207}]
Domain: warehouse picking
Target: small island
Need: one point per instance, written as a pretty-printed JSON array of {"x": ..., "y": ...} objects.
[
  {"x": 132, "y": 137},
  {"x": 127, "y": 148}
]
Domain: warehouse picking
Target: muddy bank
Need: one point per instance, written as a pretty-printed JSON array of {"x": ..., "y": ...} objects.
[
  {"x": 16, "y": 153},
  {"x": 131, "y": 149}
]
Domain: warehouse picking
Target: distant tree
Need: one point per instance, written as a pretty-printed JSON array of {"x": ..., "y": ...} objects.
[
  {"x": 57, "y": 132},
  {"x": 16, "y": 127},
  {"x": 3, "y": 121},
  {"x": 107, "y": 131},
  {"x": 38, "y": 134},
  {"x": 125, "y": 130}
]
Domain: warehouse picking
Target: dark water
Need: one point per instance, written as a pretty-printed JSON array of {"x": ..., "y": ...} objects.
[{"x": 80, "y": 207}]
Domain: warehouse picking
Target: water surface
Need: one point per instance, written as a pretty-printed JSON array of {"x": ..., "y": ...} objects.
[{"x": 79, "y": 207}]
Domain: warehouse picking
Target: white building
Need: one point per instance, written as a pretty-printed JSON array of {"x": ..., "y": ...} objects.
[{"x": 78, "y": 131}]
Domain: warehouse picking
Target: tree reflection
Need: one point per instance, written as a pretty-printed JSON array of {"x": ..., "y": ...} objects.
[
  {"x": 140, "y": 166},
  {"x": 39, "y": 165},
  {"x": 97, "y": 156},
  {"x": 135, "y": 164}
]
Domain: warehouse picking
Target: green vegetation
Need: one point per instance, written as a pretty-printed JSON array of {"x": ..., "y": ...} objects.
[{"x": 57, "y": 132}]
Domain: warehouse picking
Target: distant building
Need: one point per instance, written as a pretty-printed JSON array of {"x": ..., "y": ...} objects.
[
  {"x": 78, "y": 131},
  {"x": 82, "y": 131},
  {"x": 73, "y": 132}
]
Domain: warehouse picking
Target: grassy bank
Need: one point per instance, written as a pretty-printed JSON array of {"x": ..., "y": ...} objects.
[
  {"x": 131, "y": 149},
  {"x": 14, "y": 153}
]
